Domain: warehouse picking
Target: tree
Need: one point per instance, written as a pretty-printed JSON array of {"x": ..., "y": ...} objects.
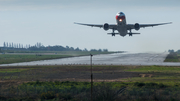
[
  {"x": 7, "y": 44},
  {"x": 171, "y": 51},
  {"x": 85, "y": 49},
  {"x": 93, "y": 50},
  {"x": 100, "y": 50},
  {"x": 12, "y": 44},
  {"x": 178, "y": 51},
  {"x": 4, "y": 44},
  {"x": 105, "y": 50},
  {"x": 37, "y": 45},
  {"x": 77, "y": 49},
  {"x": 40, "y": 44},
  {"x": 67, "y": 47},
  {"x": 19, "y": 45}
]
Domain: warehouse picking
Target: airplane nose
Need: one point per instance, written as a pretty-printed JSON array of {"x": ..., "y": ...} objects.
[
  {"x": 121, "y": 13},
  {"x": 120, "y": 16}
]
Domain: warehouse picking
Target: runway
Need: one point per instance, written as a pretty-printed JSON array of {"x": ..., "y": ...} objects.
[{"x": 106, "y": 59}]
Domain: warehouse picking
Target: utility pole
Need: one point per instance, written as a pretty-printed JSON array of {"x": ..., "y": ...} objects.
[{"x": 91, "y": 77}]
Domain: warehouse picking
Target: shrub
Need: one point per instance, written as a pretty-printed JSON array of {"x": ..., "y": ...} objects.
[
  {"x": 2, "y": 98},
  {"x": 104, "y": 93},
  {"x": 86, "y": 83},
  {"x": 37, "y": 82},
  {"x": 48, "y": 95},
  {"x": 151, "y": 84},
  {"x": 57, "y": 82},
  {"x": 65, "y": 96},
  {"x": 139, "y": 84},
  {"x": 161, "y": 85}
]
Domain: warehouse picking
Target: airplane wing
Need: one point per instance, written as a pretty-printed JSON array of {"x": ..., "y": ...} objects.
[
  {"x": 131, "y": 26},
  {"x": 111, "y": 26}
]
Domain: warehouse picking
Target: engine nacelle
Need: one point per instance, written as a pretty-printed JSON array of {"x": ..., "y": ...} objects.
[
  {"x": 106, "y": 26},
  {"x": 136, "y": 26}
]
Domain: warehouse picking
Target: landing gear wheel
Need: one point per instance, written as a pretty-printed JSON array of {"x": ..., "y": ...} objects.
[
  {"x": 130, "y": 33},
  {"x": 113, "y": 34}
]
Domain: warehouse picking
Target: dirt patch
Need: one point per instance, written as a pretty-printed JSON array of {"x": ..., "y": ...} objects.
[{"x": 146, "y": 75}]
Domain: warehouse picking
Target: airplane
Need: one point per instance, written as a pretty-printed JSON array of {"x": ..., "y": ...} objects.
[{"x": 121, "y": 26}]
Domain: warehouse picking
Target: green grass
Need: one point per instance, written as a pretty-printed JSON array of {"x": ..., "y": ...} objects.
[
  {"x": 6, "y": 59},
  {"x": 57, "y": 90},
  {"x": 168, "y": 75},
  {"x": 147, "y": 69},
  {"x": 14, "y": 70},
  {"x": 165, "y": 80},
  {"x": 164, "y": 84},
  {"x": 75, "y": 91},
  {"x": 15, "y": 58}
]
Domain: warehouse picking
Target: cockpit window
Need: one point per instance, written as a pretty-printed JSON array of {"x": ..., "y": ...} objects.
[{"x": 121, "y": 13}]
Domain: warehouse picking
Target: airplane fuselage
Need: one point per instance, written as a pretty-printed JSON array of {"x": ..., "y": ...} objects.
[{"x": 121, "y": 23}]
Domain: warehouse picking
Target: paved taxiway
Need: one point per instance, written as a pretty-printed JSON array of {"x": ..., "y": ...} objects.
[{"x": 107, "y": 59}]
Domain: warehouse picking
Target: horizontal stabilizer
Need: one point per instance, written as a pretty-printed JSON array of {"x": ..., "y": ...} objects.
[
  {"x": 113, "y": 33},
  {"x": 130, "y": 34},
  {"x": 133, "y": 33}
]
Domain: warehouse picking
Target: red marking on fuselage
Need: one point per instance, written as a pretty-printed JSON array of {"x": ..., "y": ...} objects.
[
  {"x": 120, "y": 17},
  {"x": 117, "y": 16}
]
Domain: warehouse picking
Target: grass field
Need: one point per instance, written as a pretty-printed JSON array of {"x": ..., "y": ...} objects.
[
  {"x": 26, "y": 57},
  {"x": 72, "y": 82}
]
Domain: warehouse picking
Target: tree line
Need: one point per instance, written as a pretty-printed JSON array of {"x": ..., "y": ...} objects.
[
  {"x": 172, "y": 51},
  {"x": 40, "y": 47},
  {"x": 14, "y": 45}
]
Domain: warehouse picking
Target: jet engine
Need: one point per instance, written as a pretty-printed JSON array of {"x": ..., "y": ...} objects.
[
  {"x": 136, "y": 26},
  {"x": 106, "y": 26}
]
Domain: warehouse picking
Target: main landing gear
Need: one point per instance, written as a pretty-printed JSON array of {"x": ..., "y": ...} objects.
[
  {"x": 113, "y": 34},
  {"x": 130, "y": 34}
]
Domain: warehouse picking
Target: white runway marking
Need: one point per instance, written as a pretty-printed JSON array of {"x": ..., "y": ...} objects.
[{"x": 107, "y": 59}]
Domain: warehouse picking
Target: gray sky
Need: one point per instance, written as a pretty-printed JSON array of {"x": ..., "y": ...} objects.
[{"x": 51, "y": 23}]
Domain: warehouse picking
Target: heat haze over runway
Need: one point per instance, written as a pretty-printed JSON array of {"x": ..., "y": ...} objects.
[{"x": 106, "y": 59}]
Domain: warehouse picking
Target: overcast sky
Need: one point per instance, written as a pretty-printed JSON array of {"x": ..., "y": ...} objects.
[{"x": 51, "y": 23}]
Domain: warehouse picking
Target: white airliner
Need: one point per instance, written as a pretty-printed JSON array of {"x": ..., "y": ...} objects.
[{"x": 121, "y": 26}]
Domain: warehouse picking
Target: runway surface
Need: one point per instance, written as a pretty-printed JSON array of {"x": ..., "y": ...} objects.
[{"x": 107, "y": 59}]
